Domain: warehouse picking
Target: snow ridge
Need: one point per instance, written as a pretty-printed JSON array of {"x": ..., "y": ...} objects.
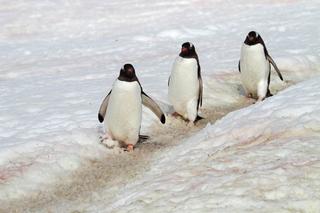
[{"x": 262, "y": 157}]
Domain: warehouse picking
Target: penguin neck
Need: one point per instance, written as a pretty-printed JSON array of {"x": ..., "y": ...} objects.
[
  {"x": 127, "y": 79},
  {"x": 192, "y": 55}
]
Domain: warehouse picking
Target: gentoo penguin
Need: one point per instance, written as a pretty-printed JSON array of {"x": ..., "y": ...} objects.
[
  {"x": 185, "y": 84},
  {"x": 123, "y": 108},
  {"x": 255, "y": 68}
]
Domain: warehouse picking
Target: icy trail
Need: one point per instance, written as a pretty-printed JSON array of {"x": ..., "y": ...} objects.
[
  {"x": 101, "y": 179},
  {"x": 114, "y": 171}
]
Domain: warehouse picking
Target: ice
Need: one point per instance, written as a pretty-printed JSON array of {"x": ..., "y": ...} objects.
[{"x": 59, "y": 60}]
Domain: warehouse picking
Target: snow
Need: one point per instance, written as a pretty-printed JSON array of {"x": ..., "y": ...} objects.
[
  {"x": 60, "y": 58},
  {"x": 238, "y": 164}
]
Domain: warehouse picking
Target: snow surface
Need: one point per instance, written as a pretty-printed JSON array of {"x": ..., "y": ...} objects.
[
  {"x": 263, "y": 157},
  {"x": 59, "y": 59}
]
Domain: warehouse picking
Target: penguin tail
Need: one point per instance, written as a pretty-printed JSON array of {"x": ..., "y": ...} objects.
[
  {"x": 198, "y": 118},
  {"x": 269, "y": 94},
  {"x": 143, "y": 138}
]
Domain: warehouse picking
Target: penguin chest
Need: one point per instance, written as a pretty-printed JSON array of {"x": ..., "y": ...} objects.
[
  {"x": 254, "y": 66},
  {"x": 184, "y": 83},
  {"x": 124, "y": 111}
]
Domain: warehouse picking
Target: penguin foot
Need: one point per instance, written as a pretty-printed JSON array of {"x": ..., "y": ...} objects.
[
  {"x": 177, "y": 115},
  {"x": 129, "y": 148}
]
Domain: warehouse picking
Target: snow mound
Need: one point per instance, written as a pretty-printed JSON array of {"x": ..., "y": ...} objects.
[{"x": 265, "y": 157}]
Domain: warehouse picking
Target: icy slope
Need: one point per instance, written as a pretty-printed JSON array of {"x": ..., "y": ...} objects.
[{"x": 263, "y": 157}]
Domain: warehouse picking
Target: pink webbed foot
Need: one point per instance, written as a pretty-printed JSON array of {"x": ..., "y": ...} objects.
[{"x": 129, "y": 148}]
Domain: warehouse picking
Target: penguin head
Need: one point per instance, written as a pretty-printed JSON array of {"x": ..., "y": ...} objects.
[
  {"x": 252, "y": 38},
  {"x": 187, "y": 50},
  {"x": 127, "y": 73}
]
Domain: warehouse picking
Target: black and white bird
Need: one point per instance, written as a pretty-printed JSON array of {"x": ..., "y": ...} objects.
[
  {"x": 122, "y": 108},
  {"x": 255, "y": 67},
  {"x": 185, "y": 84}
]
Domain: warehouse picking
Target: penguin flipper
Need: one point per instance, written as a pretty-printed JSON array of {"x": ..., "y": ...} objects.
[
  {"x": 169, "y": 80},
  {"x": 239, "y": 67},
  {"x": 200, "y": 93},
  {"x": 275, "y": 66},
  {"x": 200, "y": 87},
  {"x": 153, "y": 106},
  {"x": 103, "y": 107}
]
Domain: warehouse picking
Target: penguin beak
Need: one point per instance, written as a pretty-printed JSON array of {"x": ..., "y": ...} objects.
[
  {"x": 184, "y": 50},
  {"x": 129, "y": 73},
  {"x": 251, "y": 38}
]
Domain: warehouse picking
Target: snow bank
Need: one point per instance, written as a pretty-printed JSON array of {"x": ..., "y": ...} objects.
[
  {"x": 263, "y": 157},
  {"x": 26, "y": 168}
]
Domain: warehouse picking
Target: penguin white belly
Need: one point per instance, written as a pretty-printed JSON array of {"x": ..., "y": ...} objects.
[
  {"x": 124, "y": 112},
  {"x": 254, "y": 69},
  {"x": 184, "y": 87}
]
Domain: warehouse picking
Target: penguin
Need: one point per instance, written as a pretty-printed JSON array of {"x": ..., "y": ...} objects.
[
  {"x": 185, "y": 84},
  {"x": 255, "y": 68},
  {"x": 122, "y": 108}
]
